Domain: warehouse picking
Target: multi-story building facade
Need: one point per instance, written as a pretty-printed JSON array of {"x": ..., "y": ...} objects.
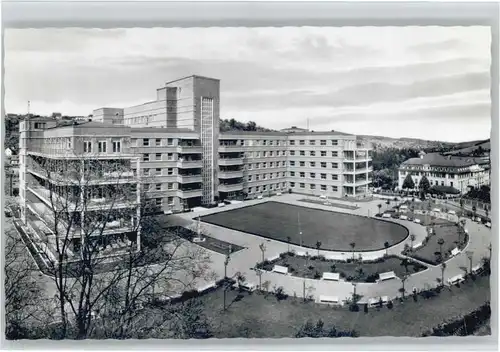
[
  {"x": 77, "y": 184},
  {"x": 182, "y": 161},
  {"x": 461, "y": 173}
]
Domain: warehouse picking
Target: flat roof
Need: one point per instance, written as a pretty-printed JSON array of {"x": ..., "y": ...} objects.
[{"x": 191, "y": 76}]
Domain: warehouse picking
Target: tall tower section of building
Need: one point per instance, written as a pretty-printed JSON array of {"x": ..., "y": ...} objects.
[{"x": 193, "y": 103}]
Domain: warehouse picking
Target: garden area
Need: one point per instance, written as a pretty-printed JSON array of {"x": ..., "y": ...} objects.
[
  {"x": 263, "y": 315},
  {"x": 437, "y": 246},
  {"x": 356, "y": 271},
  {"x": 296, "y": 225}
]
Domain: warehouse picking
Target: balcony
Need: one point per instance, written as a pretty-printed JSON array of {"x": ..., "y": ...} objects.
[
  {"x": 230, "y": 161},
  {"x": 189, "y": 178},
  {"x": 357, "y": 170},
  {"x": 230, "y": 147},
  {"x": 231, "y": 187},
  {"x": 189, "y": 149},
  {"x": 189, "y": 164},
  {"x": 189, "y": 193},
  {"x": 230, "y": 174}
]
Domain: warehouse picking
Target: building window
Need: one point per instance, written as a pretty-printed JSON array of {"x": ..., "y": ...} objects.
[
  {"x": 158, "y": 186},
  {"x": 145, "y": 142},
  {"x": 302, "y": 163},
  {"x": 145, "y": 157},
  {"x": 302, "y": 153},
  {"x": 302, "y": 142},
  {"x": 312, "y": 153},
  {"x": 170, "y": 141},
  {"x": 101, "y": 147},
  {"x": 158, "y": 142},
  {"x": 292, "y": 173},
  {"x": 250, "y": 178},
  {"x": 87, "y": 147},
  {"x": 335, "y": 142},
  {"x": 170, "y": 200},
  {"x": 158, "y": 172},
  {"x": 271, "y": 164},
  {"x": 117, "y": 146},
  {"x": 292, "y": 152},
  {"x": 257, "y": 177},
  {"x": 270, "y": 142},
  {"x": 323, "y": 164},
  {"x": 292, "y": 163},
  {"x": 335, "y": 165},
  {"x": 292, "y": 142},
  {"x": 323, "y": 176},
  {"x": 312, "y": 142},
  {"x": 158, "y": 202},
  {"x": 312, "y": 186},
  {"x": 335, "y": 153},
  {"x": 170, "y": 186},
  {"x": 323, "y": 187},
  {"x": 302, "y": 174},
  {"x": 170, "y": 156},
  {"x": 264, "y": 165},
  {"x": 335, "y": 177},
  {"x": 292, "y": 184},
  {"x": 312, "y": 175},
  {"x": 158, "y": 156},
  {"x": 335, "y": 188},
  {"x": 322, "y": 142},
  {"x": 302, "y": 185},
  {"x": 145, "y": 172},
  {"x": 250, "y": 189},
  {"x": 323, "y": 153},
  {"x": 264, "y": 154},
  {"x": 312, "y": 164},
  {"x": 270, "y": 153},
  {"x": 170, "y": 171}
]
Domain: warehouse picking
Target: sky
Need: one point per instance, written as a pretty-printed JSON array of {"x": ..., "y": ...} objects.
[{"x": 421, "y": 82}]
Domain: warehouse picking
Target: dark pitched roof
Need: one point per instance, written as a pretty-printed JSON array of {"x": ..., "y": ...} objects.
[{"x": 436, "y": 159}]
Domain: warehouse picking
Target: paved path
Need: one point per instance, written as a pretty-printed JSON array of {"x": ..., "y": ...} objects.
[{"x": 244, "y": 260}]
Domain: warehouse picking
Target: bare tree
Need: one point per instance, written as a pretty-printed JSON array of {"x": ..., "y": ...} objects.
[
  {"x": 94, "y": 216},
  {"x": 24, "y": 303}
]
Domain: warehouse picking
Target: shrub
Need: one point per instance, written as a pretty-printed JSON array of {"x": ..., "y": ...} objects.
[
  {"x": 291, "y": 254},
  {"x": 372, "y": 278},
  {"x": 317, "y": 275},
  {"x": 280, "y": 294},
  {"x": 342, "y": 274},
  {"x": 390, "y": 305},
  {"x": 310, "y": 267},
  {"x": 189, "y": 294},
  {"x": 282, "y": 255}
]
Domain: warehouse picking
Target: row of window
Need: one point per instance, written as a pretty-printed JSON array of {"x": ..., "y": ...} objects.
[
  {"x": 313, "y": 142},
  {"x": 154, "y": 142},
  {"x": 322, "y": 176},
  {"x": 158, "y": 157},
  {"x": 264, "y": 154},
  {"x": 102, "y": 146},
  {"x": 322, "y": 153},
  {"x": 313, "y": 186},
  {"x": 322, "y": 164},
  {"x": 264, "y": 165},
  {"x": 263, "y": 188},
  {"x": 266, "y": 176}
]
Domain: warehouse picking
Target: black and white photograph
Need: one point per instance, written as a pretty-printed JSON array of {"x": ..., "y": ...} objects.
[{"x": 247, "y": 182}]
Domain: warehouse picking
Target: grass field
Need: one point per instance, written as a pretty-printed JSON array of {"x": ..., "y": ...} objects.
[
  {"x": 334, "y": 230},
  {"x": 430, "y": 252},
  {"x": 259, "y": 316},
  {"x": 314, "y": 268}
]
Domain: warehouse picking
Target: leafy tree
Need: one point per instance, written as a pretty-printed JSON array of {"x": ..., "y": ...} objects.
[
  {"x": 441, "y": 243},
  {"x": 309, "y": 329},
  {"x": 353, "y": 245},
  {"x": 379, "y": 206},
  {"x": 424, "y": 185},
  {"x": 386, "y": 246},
  {"x": 408, "y": 182},
  {"x": 318, "y": 246}
]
